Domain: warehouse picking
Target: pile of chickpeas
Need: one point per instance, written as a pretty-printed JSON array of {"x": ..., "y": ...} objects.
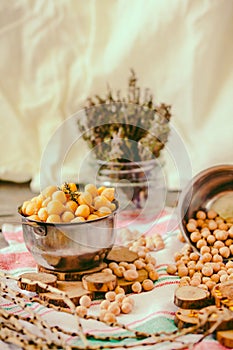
[
  {"x": 57, "y": 205},
  {"x": 117, "y": 302},
  {"x": 213, "y": 237}
]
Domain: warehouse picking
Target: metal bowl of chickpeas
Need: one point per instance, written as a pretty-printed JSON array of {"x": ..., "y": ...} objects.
[
  {"x": 205, "y": 212},
  {"x": 68, "y": 229}
]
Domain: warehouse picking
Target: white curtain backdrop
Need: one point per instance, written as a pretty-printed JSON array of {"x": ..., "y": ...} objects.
[{"x": 56, "y": 53}]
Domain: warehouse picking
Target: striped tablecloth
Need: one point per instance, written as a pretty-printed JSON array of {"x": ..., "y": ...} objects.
[{"x": 154, "y": 311}]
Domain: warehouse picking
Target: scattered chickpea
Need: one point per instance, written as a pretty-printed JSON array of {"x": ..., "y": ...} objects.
[
  {"x": 109, "y": 317},
  {"x": 153, "y": 275},
  {"x": 114, "y": 308},
  {"x": 201, "y": 243},
  {"x": 104, "y": 304},
  {"x": 171, "y": 269},
  {"x": 81, "y": 311},
  {"x": 136, "y": 287},
  {"x": 126, "y": 307},
  {"x": 147, "y": 285},
  {"x": 130, "y": 275},
  {"x": 211, "y": 214},
  {"x": 224, "y": 252},
  {"x": 111, "y": 295},
  {"x": 85, "y": 300},
  {"x": 201, "y": 215}
]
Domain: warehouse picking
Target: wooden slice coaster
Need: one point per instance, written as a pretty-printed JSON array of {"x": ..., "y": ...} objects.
[
  {"x": 74, "y": 290},
  {"x": 121, "y": 253},
  {"x": 99, "y": 282},
  {"x": 126, "y": 285},
  {"x": 186, "y": 318},
  {"x": 223, "y": 294},
  {"x": 33, "y": 278},
  {"x": 72, "y": 275},
  {"x": 225, "y": 338},
  {"x": 190, "y": 297}
]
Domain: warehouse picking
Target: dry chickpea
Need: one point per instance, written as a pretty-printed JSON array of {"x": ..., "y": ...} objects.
[
  {"x": 211, "y": 214},
  {"x": 185, "y": 280},
  {"x": 215, "y": 277},
  {"x": 214, "y": 251},
  {"x": 147, "y": 285},
  {"x": 109, "y": 317},
  {"x": 201, "y": 215},
  {"x": 126, "y": 307},
  {"x": 114, "y": 308},
  {"x": 85, "y": 300},
  {"x": 212, "y": 225},
  {"x": 199, "y": 265},
  {"x": 206, "y": 257},
  {"x": 205, "y": 234},
  {"x": 150, "y": 259},
  {"x": 201, "y": 243},
  {"x": 223, "y": 278},
  {"x": 221, "y": 235},
  {"x": 229, "y": 264},
  {"x": 110, "y": 296},
  {"x": 104, "y": 304},
  {"x": 83, "y": 210},
  {"x": 205, "y": 279},
  {"x": 119, "y": 290},
  {"x": 81, "y": 311},
  {"x": 191, "y": 264},
  {"x": 139, "y": 264},
  {"x": 194, "y": 256},
  {"x": 211, "y": 239},
  {"x": 200, "y": 223},
  {"x": 119, "y": 297},
  {"x": 177, "y": 256},
  {"x": 216, "y": 267},
  {"x": 153, "y": 275},
  {"x": 230, "y": 270},
  {"x": 113, "y": 265},
  {"x": 222, "y": 272},
  {"x": 210, "y": 284},
  {"x": 171, "y": 269},
  {"x": 228, "y": 242},
  {"x": 194, "y": 282},
  {"x": 149, "y": 267},
  {"x": 130, "y": 275},
  {"x": 219, "y": 244},
  {"x": 217, "y": 258},
  {"x": 131, "y": 267},
  {"x": 223, "y": 226},
  {"x": 195, "y": 236},
  {"x": 191, "y": 272},
  {"x": 136, "y": 287},
  {"x": 119, "y": 271},
  {"x": 204, "y": 249},
  {"x": 180, "y": 237},
  {"x": 124, "y": 264},
  {"x": 191, "y": 227},
  {"x": 207, "y": 271},
  {"x": 224, "y": 252},
  {"x": 183, "y": 271}
]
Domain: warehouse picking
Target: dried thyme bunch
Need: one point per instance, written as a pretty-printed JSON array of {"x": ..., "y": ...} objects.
[{"x": 123, "y": 129}]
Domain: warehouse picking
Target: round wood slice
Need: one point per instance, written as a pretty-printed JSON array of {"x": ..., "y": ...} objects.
[
  {"x": 190, "y": 297},
  {"x": 74, "y": 290},
  {"x": 186, "y": 318},
  {"x": 223, "y": 294},
  {"x": 99, "y": 282},
  {"x": 121, "y": 253},
  {"x": 33, "y": 278},
  {"x": 126, "y": 285},
  {"x": 225, "y": 338},
  {"x": 72, "y": 275}
]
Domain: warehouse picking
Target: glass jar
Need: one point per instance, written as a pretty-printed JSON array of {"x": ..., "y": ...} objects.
[{"x": 140, "y": 188}]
